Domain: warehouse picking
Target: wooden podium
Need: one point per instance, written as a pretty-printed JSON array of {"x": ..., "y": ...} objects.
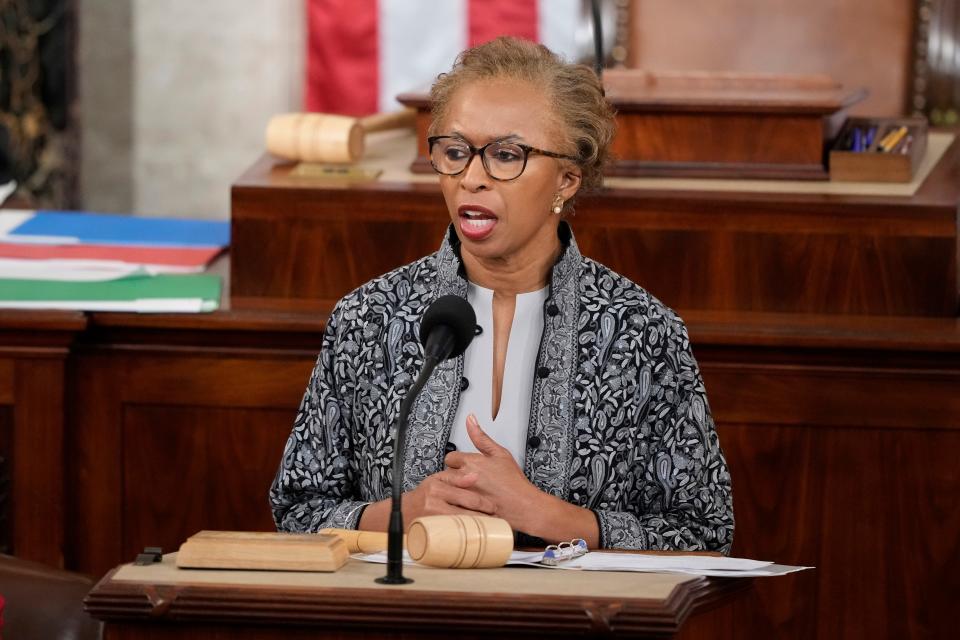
[{"x": 161, "y": 601}]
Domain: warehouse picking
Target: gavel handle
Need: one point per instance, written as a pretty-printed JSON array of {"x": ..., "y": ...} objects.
[
  {"x": 403, "y": 119},
  {"x": 360, "y": 541}
]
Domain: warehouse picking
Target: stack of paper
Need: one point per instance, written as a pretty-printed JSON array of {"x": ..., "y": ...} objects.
[{"x": 101, "y": 262}]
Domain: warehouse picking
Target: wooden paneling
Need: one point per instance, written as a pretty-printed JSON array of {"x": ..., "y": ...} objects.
[
  {"x": 167, "y": 442},
  {"x": 6, "y": 474},
  {"x": 873, "y": 510},
  {"x": 6, "y": 381},
  {"x": 876, "y": 398},
  {"x": 778, "y": 495},
  {"x": 858, "y": 42},
  {"x": 369, "y": 250},
  {"x": 38, "y": 478},
  {"x": 815, "y": 273},
  {"x": 371, "y": 236},
  {"x": 731, "y": 251},
  {"x": 849, "y": 469},
  {"x": 214, "y": 467},
  {"x": 706, "y": 144},
  {"x": 33, "y": 348}
]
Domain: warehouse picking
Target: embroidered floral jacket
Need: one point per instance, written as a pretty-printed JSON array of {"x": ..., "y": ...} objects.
[{"x": 619, "y": 410}]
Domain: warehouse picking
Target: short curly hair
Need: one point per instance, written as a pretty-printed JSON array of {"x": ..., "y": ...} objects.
[{"x": 585, "y": 116}]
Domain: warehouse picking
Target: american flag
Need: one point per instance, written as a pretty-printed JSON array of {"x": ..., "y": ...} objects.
[{"x": 362, "y": 53}]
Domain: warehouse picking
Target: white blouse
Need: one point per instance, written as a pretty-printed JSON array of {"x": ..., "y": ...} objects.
[{"x": 509, "y": 428}]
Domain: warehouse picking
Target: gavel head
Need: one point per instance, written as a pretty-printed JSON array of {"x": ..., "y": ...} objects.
[
  {"x": 315, "y": 137},
  {"x": 460, "y": 542}
]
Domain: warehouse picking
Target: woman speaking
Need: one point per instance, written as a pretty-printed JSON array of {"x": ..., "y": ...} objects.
[{"x": 578, "y": 411}]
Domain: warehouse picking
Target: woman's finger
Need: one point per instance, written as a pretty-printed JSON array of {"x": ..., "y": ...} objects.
[
  {"x": 460, "y": 459},
  {"x": 454, "y": 459},
  {"x": 458, "y": 477},
  {"x": 466, "y": 499},
  {"x": 484, "y": 443}
]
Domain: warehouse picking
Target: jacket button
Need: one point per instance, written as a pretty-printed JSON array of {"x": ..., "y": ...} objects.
[
  {"x": 477, "y": 330},
  {"x": 553, "y": 310},
  {"x": 449, "y": 448},
  {"x": 543, "y": 372},
  {"x": 464, "y": 383},
  {"x": 533, "y": 442}
]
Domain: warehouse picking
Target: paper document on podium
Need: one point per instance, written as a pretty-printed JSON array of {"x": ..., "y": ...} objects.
[{"x": 698, "y": 565}]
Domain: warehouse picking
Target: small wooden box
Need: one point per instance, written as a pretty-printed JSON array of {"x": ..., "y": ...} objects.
[{"x": 872, "y": 165}]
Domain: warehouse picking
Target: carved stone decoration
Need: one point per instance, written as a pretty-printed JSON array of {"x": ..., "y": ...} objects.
[
  {"x": 936, "y": 65},
  {"x": 38, "y": 141}
]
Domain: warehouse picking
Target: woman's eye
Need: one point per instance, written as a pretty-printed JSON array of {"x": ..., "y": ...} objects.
[
  {"x": 507, "y": 154},
  {"x": 456, "y": 153}
]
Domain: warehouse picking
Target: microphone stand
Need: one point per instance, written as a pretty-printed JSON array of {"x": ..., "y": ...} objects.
[{"x": 434, "y": 349}]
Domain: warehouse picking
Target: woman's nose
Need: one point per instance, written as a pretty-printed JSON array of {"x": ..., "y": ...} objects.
[{"x": 475, "y": 175}]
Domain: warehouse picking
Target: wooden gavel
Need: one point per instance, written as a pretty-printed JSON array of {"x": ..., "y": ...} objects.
[
  {"x": 322, "y": 137},
  {"x": 450, "y": 542}
]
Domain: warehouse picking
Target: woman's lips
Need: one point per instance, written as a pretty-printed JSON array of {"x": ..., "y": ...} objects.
[{"x": 476, "y": 222}]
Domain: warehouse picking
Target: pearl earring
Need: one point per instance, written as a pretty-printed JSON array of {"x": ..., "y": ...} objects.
[{"x": 558, "y": 204}]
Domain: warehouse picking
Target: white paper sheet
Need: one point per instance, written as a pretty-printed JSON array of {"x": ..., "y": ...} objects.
[
  {"x": 715, "y": 566},
  {"x": 606, "y": 561},
  {"x": 82, "y": 270},
  {"x": 79, "y": 271},
  {"x": 10, "y": 219}
]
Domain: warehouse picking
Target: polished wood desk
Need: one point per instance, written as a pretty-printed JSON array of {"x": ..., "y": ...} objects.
[
  {"x": 860, "y": 253},
  {"x": 160, "y": 601}
]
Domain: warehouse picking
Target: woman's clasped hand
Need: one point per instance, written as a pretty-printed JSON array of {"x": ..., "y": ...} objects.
[{"x": 493, "y": 475}]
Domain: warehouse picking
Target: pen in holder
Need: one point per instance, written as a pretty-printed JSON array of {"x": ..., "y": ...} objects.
[{"x": 460, "y": 542}]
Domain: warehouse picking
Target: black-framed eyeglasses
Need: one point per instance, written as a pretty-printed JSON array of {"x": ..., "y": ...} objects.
[{"x": 502, "y": 161}]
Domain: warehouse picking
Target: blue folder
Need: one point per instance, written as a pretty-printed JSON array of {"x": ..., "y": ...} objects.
[{"x": 102, "y": 228}]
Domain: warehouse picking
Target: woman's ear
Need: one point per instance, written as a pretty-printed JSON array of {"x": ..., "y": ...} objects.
[{"x": 570, "y": 181}]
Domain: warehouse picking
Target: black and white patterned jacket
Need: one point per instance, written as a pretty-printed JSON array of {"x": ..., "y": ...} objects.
[{"x": 619, "y": 408}]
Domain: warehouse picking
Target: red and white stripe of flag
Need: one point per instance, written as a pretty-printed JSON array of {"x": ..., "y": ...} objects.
[{"x": 362, "y": 53}]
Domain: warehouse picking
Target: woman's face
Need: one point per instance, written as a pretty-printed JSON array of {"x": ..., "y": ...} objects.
[{"x": 506, "y": 219}]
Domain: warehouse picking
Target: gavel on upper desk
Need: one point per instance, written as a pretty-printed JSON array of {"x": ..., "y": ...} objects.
[{"x": 323, "y": 137}]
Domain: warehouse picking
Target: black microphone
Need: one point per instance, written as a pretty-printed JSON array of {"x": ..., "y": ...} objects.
[
  {"x": 447, "y": 328},
  {"x": 445, "y": 331}
]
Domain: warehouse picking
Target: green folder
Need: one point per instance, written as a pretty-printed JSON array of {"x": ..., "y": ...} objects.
[{"x": 204, "y": 287}]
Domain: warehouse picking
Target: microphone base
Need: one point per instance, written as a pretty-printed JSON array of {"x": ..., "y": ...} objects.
[{"x": 392, "y": 580}]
